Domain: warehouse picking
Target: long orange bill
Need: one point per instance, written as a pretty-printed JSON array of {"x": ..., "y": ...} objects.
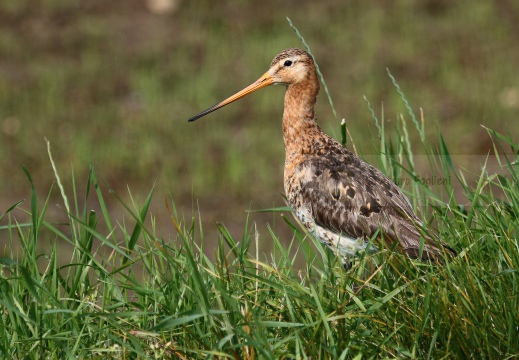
[{"x": 263, "y": 81}]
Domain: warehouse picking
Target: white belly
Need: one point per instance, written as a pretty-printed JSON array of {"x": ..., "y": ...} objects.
[{"x": 341, "y": 244}]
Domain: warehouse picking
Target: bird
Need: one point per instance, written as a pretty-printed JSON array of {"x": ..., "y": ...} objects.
[{"x": 341, "y": 200}]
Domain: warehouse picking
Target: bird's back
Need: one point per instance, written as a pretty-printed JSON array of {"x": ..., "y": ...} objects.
[{"x": 345, "y": 201}]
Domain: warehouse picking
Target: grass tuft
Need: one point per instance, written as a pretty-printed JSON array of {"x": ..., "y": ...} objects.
[{"x": 127, "y": 292}]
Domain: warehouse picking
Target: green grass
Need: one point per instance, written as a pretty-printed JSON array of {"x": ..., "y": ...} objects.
[{"x": 128, "y": 292}]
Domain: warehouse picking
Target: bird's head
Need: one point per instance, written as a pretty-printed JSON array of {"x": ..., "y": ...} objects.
[{"x": 290, "y": 67}]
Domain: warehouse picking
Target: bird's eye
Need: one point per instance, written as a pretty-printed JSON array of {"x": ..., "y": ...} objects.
[{"x": 288, "y": 63}]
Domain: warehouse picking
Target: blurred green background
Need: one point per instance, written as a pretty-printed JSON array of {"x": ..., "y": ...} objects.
[{"x": 113, "y": 83}]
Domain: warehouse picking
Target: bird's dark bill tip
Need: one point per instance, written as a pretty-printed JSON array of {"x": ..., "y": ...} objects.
[
  {"x": 205, "y": 112},
  {"x": 196, "y": 117}
]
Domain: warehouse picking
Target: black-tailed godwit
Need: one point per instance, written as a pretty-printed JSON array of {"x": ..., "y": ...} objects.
[{"x": 339, "y": 198}]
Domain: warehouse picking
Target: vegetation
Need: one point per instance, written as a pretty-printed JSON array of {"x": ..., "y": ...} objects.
[{"x": 128, "y": 292}]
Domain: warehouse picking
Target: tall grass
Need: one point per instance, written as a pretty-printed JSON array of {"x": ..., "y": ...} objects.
[{"x": 127, "y": 292}]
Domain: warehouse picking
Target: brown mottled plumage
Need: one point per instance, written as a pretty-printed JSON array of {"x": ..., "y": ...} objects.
[{"x": 338, "y": 197}]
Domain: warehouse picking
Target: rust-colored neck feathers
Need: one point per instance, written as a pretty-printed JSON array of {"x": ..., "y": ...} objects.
[{"x": 299, "y": 112}]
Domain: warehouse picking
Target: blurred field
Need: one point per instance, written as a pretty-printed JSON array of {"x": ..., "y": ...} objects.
[{"x": 113, "y": 83}]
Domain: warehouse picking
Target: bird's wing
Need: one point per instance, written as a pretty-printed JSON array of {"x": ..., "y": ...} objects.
[{"x": 351, "y": 197}]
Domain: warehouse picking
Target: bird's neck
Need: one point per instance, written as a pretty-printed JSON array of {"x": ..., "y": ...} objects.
[{"x": 299, "y": 115}]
